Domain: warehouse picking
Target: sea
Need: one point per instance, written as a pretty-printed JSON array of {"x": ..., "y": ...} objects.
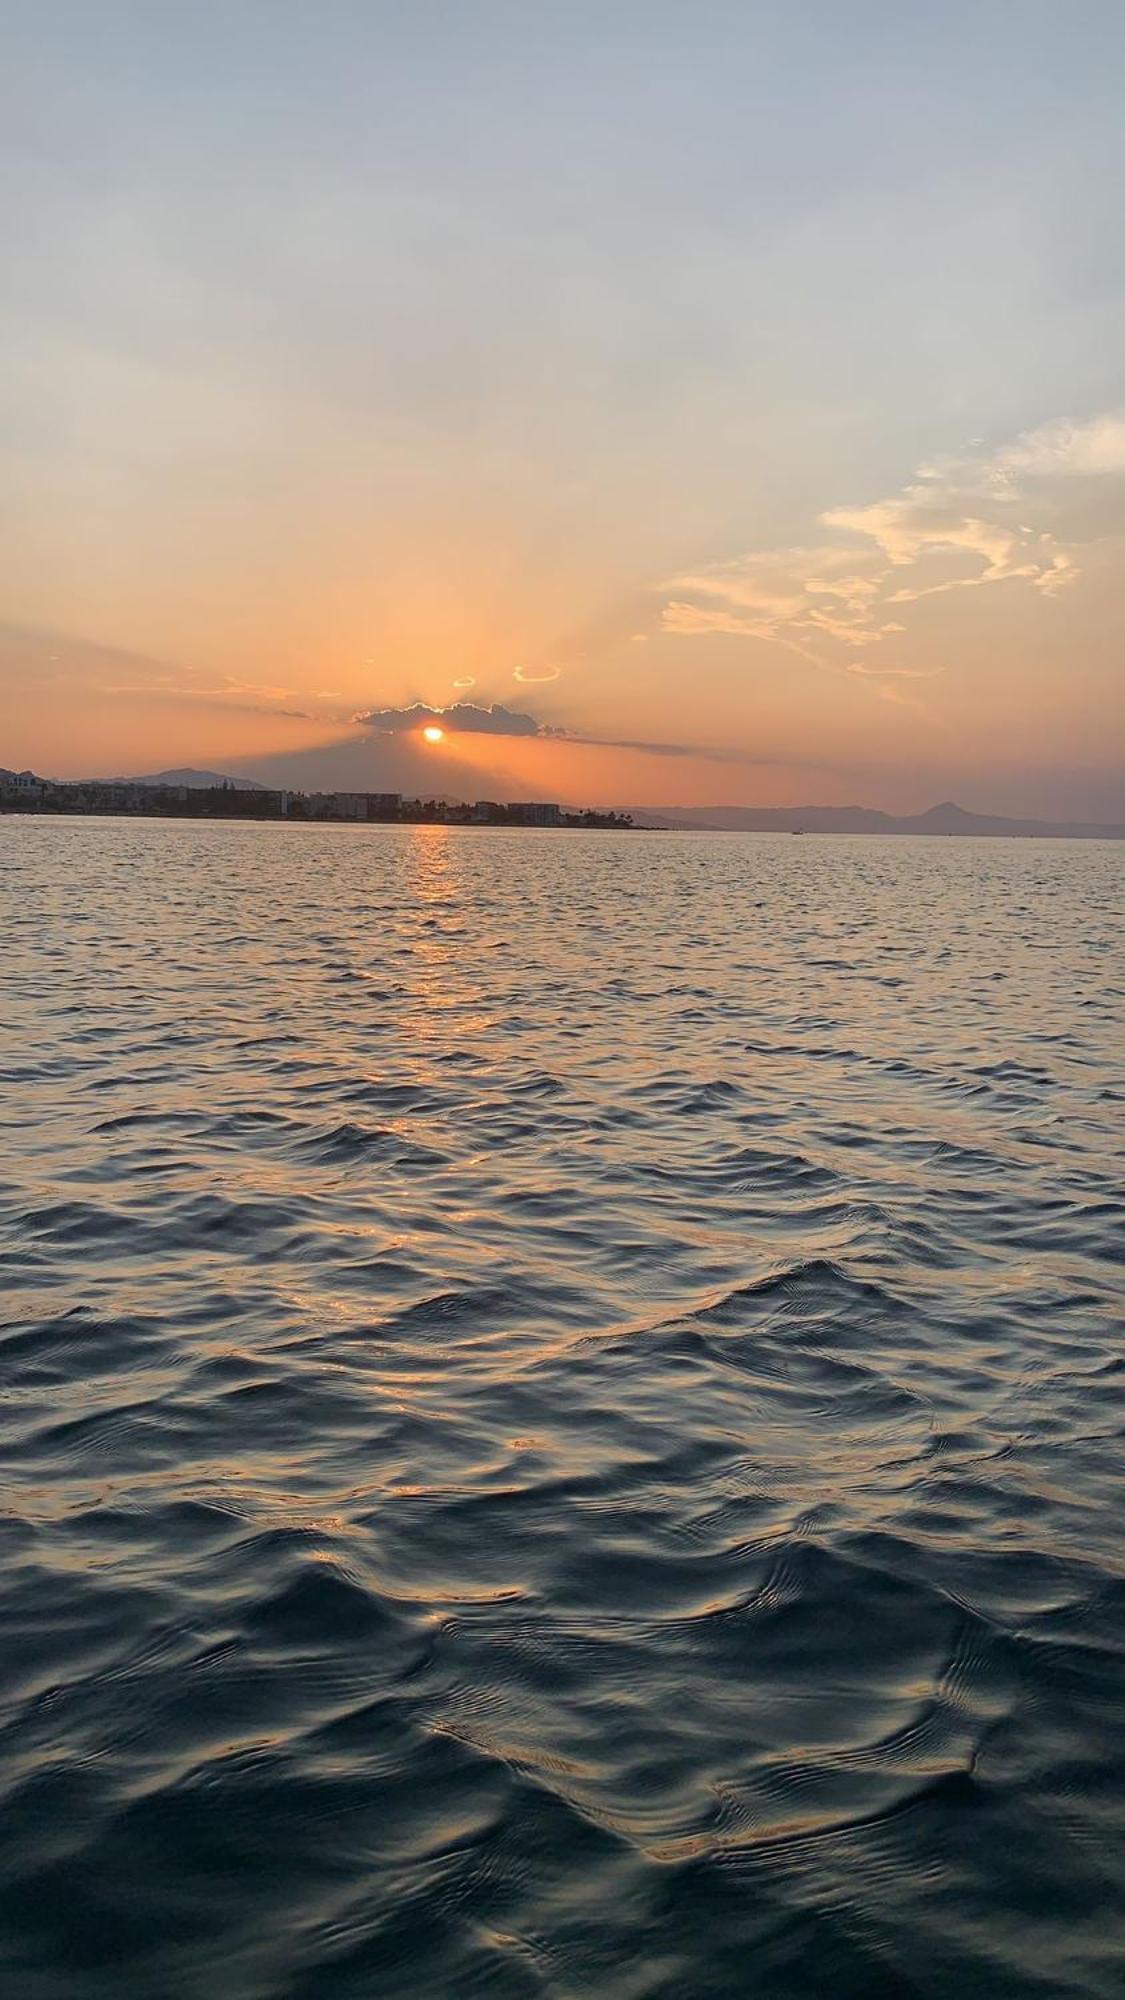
[{"x": 561, "y": 1415}]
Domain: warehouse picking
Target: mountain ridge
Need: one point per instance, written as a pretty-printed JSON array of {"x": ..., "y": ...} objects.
[
  {"x": 947, "y": 818},
  {"x": 198, "y": 780}
]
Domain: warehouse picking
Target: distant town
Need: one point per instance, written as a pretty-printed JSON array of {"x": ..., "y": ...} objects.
[{"x": 207, "y": 795}]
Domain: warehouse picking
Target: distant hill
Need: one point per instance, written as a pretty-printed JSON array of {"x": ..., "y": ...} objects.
[
  {"x": 196, "y": 780},
  {"x": 944, "y": 819}
]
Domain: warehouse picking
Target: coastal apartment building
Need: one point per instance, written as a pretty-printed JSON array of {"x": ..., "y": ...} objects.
[{"x": 537, "y": 813}]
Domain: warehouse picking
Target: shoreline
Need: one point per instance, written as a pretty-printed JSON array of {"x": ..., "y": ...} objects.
[{"x": 595, "y": 823}]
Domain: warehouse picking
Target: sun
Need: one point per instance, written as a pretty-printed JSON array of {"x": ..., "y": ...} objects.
[{"x": 432, "y": 733}]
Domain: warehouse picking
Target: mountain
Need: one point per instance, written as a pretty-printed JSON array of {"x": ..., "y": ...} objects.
[
  {"x": 946, "y": 818},
  {"x": 196, "y": 780}
]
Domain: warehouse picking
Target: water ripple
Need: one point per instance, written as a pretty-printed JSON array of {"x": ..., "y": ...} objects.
[{"x": 563, "y": 1409}]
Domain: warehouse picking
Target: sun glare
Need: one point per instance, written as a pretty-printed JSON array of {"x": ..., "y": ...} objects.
[{"x": 432, "y": 733}]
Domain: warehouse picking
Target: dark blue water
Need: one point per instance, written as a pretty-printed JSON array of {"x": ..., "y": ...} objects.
[{"x": 562, "y": 1404}]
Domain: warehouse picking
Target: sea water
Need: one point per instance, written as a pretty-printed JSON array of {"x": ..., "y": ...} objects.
[{"x": 561, "y": 1410}]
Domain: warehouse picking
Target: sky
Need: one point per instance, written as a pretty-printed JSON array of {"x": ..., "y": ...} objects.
[{"x": 732, "y": 396}]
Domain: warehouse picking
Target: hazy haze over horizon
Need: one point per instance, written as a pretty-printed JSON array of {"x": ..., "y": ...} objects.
[{"x": 732, "y": 398}]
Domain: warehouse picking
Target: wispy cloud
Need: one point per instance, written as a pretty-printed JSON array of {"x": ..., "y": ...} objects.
[
  {"x": 865, "y": 669},
  {"x": 114, "y": 672},
  {"x": 1055, "y": 451},
  {"x": 646, "y": 749},
  {"x": 238, "y": 697},
  {"x": 979, "y": 518}
]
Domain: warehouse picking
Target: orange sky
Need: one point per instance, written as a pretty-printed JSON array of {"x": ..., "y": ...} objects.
[{"x": 757, "y": 397}]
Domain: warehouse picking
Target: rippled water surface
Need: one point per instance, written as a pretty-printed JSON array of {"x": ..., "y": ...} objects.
[{"x": 562, "y": 1403}]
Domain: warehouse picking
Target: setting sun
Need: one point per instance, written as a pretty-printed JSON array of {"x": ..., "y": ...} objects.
[{"x": 432, "y": 733}]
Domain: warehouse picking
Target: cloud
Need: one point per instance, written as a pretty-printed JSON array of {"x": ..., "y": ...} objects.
[
  {"x": 263, "y": 708},
  {"x": 232, "y": 697},
  {"x": 795, "y": 595},
  {"x": 462, "y": 716},
  {"x": 465, "y": 717},
  {"x": 117, "y": 671},
  {"x": 530, "y": 675},
  {"x": 663, "y": 749},
  {"x": 983, "y": 517},
  {"x": 207, "y": 697},
  {"x": 907, "y": 528},
  {"x": 1056, "y": 451},
  {"x": 466, "y": 681},
  {"x": 879, "y": 672}
]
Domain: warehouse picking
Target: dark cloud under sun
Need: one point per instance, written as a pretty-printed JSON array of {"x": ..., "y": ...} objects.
[{"x": 465, "y": 717}]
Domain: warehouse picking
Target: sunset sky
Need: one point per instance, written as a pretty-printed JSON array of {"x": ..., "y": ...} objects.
[{"x": 730, "y": 395}]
